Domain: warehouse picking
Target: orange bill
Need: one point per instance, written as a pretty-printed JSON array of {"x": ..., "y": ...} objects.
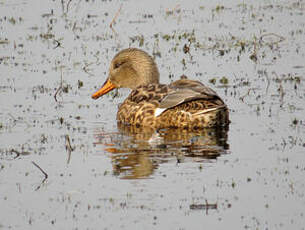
[{"x": 107, "y": 87}]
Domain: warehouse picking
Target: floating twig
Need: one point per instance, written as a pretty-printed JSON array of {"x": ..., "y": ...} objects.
[
  {"x": 43, "y": 172},
  {"x": 59, "y": 88},
  {"x": 280, "y": 38},
  {"x": 86, "y": 70},
  {"x": 268, "y": 82},
  {"x": 63, "y": 6},
  {"x": 19, "y": 153},
  {"x": 68, "y": 148},
  {"x": 205, "y": 206},
  {"x": 68, "y": 4},
  {"x": 114, "y": 19},
  {"x": 58, "y": 44},
  {"x": 74, "y": 26}
]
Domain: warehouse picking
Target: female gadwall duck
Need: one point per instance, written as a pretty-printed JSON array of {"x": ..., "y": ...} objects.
[{"x": 184, "y": 103}]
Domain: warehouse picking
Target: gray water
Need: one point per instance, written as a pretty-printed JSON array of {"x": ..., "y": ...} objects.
[{"x": 55, "y": 54}]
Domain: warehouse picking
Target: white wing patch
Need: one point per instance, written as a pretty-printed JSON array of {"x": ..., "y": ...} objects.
[
  {"x": 158, "y": 111},
  {"x": 209, "y": 110}
]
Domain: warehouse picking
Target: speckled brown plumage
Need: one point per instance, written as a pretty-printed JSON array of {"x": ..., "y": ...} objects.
[
  {"x": 184, "y": 103},
  {"x": 139, "y": 109}
]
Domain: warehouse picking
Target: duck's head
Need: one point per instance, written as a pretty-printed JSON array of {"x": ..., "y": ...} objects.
[{"x": 130, "y": 68}]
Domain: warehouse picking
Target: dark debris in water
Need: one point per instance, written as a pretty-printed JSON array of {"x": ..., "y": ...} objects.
[{"x": 49, "y": 67}]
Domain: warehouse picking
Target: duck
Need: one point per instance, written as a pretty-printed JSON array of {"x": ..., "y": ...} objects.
[{"x": 185, "y": 103}]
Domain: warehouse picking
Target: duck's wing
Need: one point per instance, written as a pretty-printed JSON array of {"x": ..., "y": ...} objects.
[{"x": 185, "y": 90}]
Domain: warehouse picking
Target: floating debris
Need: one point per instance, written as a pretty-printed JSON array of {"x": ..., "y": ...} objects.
[
  {"x": 68, "y": 148},
  {"x": 43, "y": 172},
  {"x": 205, "y": 206},
  {"x": 114, "y": 19}
]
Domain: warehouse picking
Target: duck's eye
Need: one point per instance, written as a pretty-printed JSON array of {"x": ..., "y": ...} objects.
[{"x": 118, "y": 64}]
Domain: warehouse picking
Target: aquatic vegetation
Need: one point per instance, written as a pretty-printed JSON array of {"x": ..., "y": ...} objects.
[{"x": 61, "y": 151}]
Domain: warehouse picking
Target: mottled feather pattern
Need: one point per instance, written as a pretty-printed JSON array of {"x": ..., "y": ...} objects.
[
  {"x": 138, "y": 109},
  {"x": 186, "y": 115},
  {"x": 148, "y": 93}
]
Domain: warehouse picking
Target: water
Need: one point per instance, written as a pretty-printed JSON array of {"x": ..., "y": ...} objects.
[{"x": 111, "y": 177}]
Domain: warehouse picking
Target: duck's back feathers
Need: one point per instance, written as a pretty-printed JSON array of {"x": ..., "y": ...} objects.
[
  {"x": 183, "y": 103},
  {"x": 185, "y": 90}
]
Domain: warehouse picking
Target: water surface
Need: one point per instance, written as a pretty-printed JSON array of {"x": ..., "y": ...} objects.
[{"x": 66, "y": 164}]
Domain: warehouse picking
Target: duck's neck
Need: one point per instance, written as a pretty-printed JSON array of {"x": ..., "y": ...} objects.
[{"x": 146, "y": 69}]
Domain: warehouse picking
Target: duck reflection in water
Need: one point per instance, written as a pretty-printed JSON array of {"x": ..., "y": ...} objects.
[{"x": 137, "y": 151}]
